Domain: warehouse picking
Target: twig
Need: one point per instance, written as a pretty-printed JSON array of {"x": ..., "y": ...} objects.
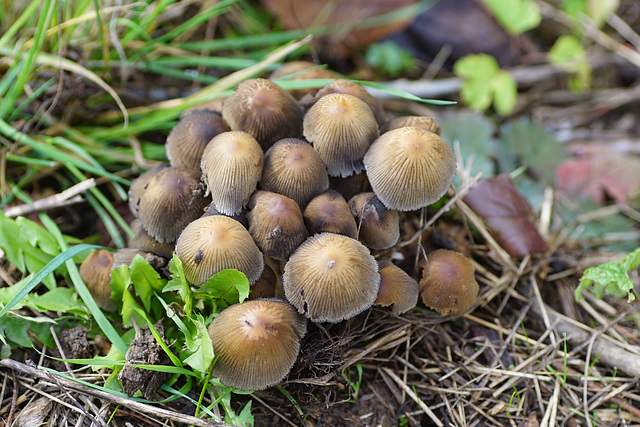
[
  {"x": 411, "y": 394},
  {"x": 14, "y": 397},
  {"x": 66, "y": 197}
]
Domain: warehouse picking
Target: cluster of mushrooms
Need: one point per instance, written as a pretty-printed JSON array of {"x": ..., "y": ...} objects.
[{"x": 295, "y": 192}]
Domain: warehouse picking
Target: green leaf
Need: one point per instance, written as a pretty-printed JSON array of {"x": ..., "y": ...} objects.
[
  {"x": 146, "y": 280},
  {"x": 600, "y": 10},
  {"x": 611, "y": 278},
  {"x": 515, "y": 16},
  {"x": 505, "y": 93},
  {"x": 16, "y": 330},
  {"x": 35, "y": 234},
  {"x": 9, "y": 237},
  {"x": 120, "y": 281},
  {"x": 225, "y": 288},
  {"x": 569, "y": 54},
  {"x": 179, "y": 283},
  {"x": 481, "y": 67},
  {"x": 202, "y": 348},
  {"x": 245, "y": 420},
  {"x": 60, "y": 299},
  {"x": 389, "y": 58}
]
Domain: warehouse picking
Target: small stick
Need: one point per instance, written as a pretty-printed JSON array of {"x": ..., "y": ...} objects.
[{"x": 64, "y": 198}]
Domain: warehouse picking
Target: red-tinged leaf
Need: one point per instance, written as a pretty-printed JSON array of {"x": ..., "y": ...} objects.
[{"x": 508, "y": 214}]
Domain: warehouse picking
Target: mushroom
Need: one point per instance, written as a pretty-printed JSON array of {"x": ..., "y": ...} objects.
[
  {"x": 409, "y": 168},
  {"x": 378, "y": 227},
  {"x": 187, "y": 140},
  {"x": 294, "y": 169},
  {"x": 141, "y": 240},
  {"x": 427, "y": 123},
  {"x": 397, "y": 289},
  {"x": 276, "y": 224},
  {"x": 341, "y": 127},
  {"x": 214, "y": 243},
  {"x": 139, "y": 185},
  {"x": 265, "y": 286},
  {"x": 231, "y": 167},
  {"x": 330, "y": 278},
  {"x": 351, "y": 185},
  {"x": 256, "y": 343},
  {"x": 95, "y": 271},
  {"x": 241, "y": 217},
  {"x": 264, "y": 110},
  {"x": 329, "y": 212},
  {"x": 448, "y": 283},
  {"x": 302, "y": 70}
]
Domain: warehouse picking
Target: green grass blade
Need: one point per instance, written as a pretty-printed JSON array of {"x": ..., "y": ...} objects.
[{"x": 401, "y": 93}]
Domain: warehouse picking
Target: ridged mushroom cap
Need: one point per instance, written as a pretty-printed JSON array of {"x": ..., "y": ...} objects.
[
  {"x": 241, "y": 217},
  {"x": 231, "y": 168},
  {"x": 264, "y": 110},
  {"x": 331, "y": 277},
  {"x": 397, "y": 289},
  {"x": 187, "y": 140},
  {"x": 173, "y": 198},
  {"x": 256, "y": 343},
  {"x": 410, "y": 168},
  {"x": 265, "y": 286},
  {"x": 341, "y": 128},
  {"x": 294, "y": 169},
  {"x": 95, "y": 271},
  {"x": 214, "y": 243},
  {"x": 276, "y": 224},
  {"x": 329, "y": 212},
  {"x": 424, "y": 122},
  {"x": 302, "y": 70},
  {"x": 448, "y": 283},
  {"x": 141, "y": 240},
  {"x": 139, "y": 185},
  {"x": 378, "y": 227}
]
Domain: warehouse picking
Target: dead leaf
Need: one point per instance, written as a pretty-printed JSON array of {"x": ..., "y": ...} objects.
[{"x": 530, "y": 421}]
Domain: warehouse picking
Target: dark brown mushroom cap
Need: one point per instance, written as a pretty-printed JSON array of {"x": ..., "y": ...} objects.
[
  {"x": 331, "y": 277},
  {"x": 410, "y": 168},
  {"x": 294, "y": 169},
  {"x": 276, "y": 224},
  {"x": 95, "y": 271},
  {"x": 173, "y": 198},
  {"x": 397, "y": 289},
  {"x": 264, "y": 110},
  {"x": 349, "y": 186},
  {"x": 427, "y": 123},
  {"x": 448, "y": 283},
  {"x": 265, "y": 286},
  {"x": 302, "y": 70},
  {"x": 378, "y": 227},
  {"x": 187, "y": 140},
  {"x": 256, "y": 343},
  {"x": 139, "y": 185},
  {"x": 231, "y": 167},
  {"x": 241, "y": 217},
  {"x": 329, "y": 212},
  {"x": 211, "y": 244},
  {"x": 141, "y": 240},
  {"x": 341, "y": 128}
]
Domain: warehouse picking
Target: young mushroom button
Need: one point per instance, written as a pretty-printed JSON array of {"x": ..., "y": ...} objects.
[{"x": 95, "y": 271}]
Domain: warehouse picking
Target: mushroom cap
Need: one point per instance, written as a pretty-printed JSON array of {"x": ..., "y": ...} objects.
[
  {"x": 397, "y": 289},
  {"x": 231, "y": 167},
  {"x": 141, "y": 240},
  {"x": 276, "y": 224},
  {"x": 448, "y": 283},
  {"x": 95, "y": 271},
  {"x": 256, "y": 343},
  {"x": 214, "y": 243},
  {"x": 294, "y": 169},
  {"x": 410, "y": 168},
  {"x": 351, "y": 185},
  {"x": 331, "y": 277},
  {"x": 265, "y": 286},
  {"x": 329, "y": 212},
  {"x": 302, "y": 70},
  {"x": 172, "y": 198},
  {"x": 341, "y": 128},
  {"x": 241, "y": 217},
  {"x": 264, "y": 110},
  {"x": 378, "y": 227},
  {"x": 139, "y": 185},
  {"x": 187, "y": 140},
  {"x": 427, "y": 123}
]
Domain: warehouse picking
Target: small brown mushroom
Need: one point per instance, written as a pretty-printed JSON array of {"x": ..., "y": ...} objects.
[
  {"x": 329, "y": 212},
  {"x": 141, "y": 240},
  {"x": 427, "y": 123},
  {"x": 265, "y": 286},
  {"x": 378, "y": 227},
  {"x": 397, "y": 289},
  {"x": 95, "y": 271},
  {"x": 139, "y": 185},
  {"x": 302, "y": 70},
  {"x": 448, "y": 283},
  {"x": 256, "y": 343}
]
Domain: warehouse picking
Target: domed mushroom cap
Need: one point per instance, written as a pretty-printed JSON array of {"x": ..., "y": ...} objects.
[
  {"x": 231, "y": 167},
  {"x": 427, "y": 123},
  {"x": 294, "y": 169},
  {"x": 329, "y": 212},
  {"x": 256, "y": 343},
  {"x": 409, "y": 168},
  {"x": 214, "y": 243},
  {"x": 341, "y": 128},
  {"x": 187, "y": 140},
  {"x": 448, "y": 283},
  {"x": 331, "y": 277},
  {"x": 397, "y": 289},
  {"x": 141, "y": 240},
  {"x": 264, "y": 110},
  {"x": 95, "y": 271},
  {"x": 378, "y": 227},
  {"x": 276, "y": 224},
  {"x": 265, "y": 286},
  {"x": 139, "y": 185},
  {"x": 302, "y": 70},
  {"x": 173, "y": 198}
]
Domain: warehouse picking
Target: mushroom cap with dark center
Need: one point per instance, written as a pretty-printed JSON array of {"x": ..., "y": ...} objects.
[
  {"x": 410, "y": 168},
  {"x": 264, "y": 110},
  {"x": 329, "y": 212},
  {"x": 331, "y": 277},
  {"x": 341, "y": 127},
  {"x": 378, "y": 227},
  {"x": 276, "y": 224},
  {"x": 231, "y": 168},
  {"x": 211, "y": 244},
  {"x": 187, "y": 140},
  {"x": 397, "y": 289},
  {"x": 427, "y": 123},
  {"x": 448, "y": 283},
  {"x": 95, "y": 271},
  {"x": 294, "y": 169},
  {"x": 256, "y": 343}
]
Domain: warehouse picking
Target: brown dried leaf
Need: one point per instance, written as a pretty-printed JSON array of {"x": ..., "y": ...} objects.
[{"x": 510, "y": 217}]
